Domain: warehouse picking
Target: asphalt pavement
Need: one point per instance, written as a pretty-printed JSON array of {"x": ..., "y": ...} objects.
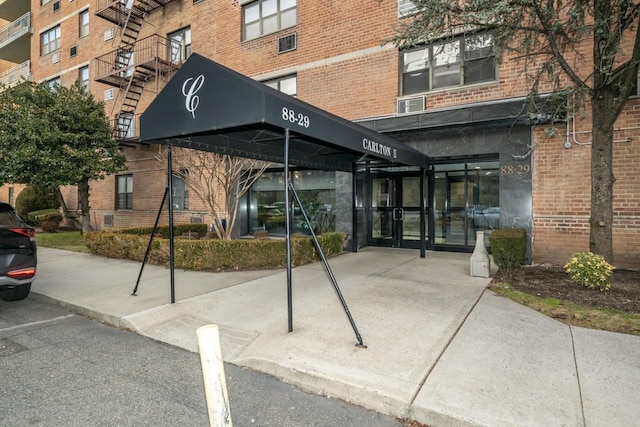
[{"x": 441, "y": 348}]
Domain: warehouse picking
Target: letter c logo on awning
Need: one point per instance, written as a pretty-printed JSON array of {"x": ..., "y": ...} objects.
[{"x": 190, "y": 87}]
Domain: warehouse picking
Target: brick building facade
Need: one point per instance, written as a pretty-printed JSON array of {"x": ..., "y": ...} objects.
[{"x": 484, "y": 175}]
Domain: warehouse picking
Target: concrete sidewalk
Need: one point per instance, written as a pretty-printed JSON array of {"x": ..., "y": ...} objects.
[{"x": 442, "y": 349}]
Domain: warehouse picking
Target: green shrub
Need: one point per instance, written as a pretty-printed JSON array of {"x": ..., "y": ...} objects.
[
  {"x": 50, "y": 215},
  {"x": 589, "y": 270},
  {"x": 163, "y": 231},
  {"x": 213, "y": 254},
  {"x": 34, "y": 198},
  {"x": 509, "y": 247}
]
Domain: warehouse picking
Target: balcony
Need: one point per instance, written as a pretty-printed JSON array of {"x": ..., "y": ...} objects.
[
  {"x": 16, "y": 75},
  {"x": 146, "y": 59},
  {"x": 13, "y": 9},
  {"x": 116, "y": 11},
  {"x": 15, "y": 40}
]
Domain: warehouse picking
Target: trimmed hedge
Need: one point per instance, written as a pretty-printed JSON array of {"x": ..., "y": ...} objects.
[
  {"x": 42, "y": 215},
  {"x": 212, "y": 254},
  {"x": 163, "y": 231},
  {"x": 509, "y": 247}
]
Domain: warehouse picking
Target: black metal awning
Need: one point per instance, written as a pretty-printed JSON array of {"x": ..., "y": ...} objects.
[{"x": 209, "y": 107}]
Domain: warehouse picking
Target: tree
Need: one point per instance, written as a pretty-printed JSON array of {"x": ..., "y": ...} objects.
[
  {"x": 219, "y": 180},
  {"x": 552, "y": 40},
  {"x": 56, "y": 137}
]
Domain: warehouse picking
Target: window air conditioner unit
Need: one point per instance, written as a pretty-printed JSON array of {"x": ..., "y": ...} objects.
[
  {"x": 108, "y": 94},
  {"x": 405, "y": 7},
  {"x": 411, "y": 105},
  {"x": 55, "y": 58},
  {"x": 287, "y": 43}
]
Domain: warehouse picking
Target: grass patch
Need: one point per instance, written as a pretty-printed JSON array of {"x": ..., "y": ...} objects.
[
  {"x": 66, "y": 240},
  {"x": 574, "y": 314}
]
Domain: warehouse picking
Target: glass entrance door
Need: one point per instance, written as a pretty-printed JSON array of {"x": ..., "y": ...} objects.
[{"x": 395, "y": 210}]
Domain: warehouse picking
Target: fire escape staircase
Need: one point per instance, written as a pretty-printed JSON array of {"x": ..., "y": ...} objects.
[{"x": 134, "y": 63}]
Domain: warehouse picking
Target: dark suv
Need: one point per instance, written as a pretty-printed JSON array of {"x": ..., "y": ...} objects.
[{"x": 17, "y": 255}]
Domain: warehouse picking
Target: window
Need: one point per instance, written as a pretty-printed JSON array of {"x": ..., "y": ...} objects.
[
  {"x": 458, "y": 62},
  {"x": 50, "y": 40},
  {"x": 125, "y": 192},
  {"x": 125, "y": 126},
  {"x": 180, "y": 194},
  {"x": 83, "y": 76},
  {"x": 53, "y": 83},
  {"x": 286, "y": 84},
  {"x": 267, "y": 16},
  {"x": 43, "y": 2},
  {"x": 180, "y": 45},
  {"x": 84, "y": 23}
]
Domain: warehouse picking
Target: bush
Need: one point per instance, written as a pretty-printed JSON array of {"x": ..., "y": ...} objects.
[
  {"x": 34, "y": 198},
  {"x": 213, "y": 255},
  {"x": 163, "y": 231},
  {"x": 589, "y": 270},
  {"x": 49, "y": 215},
  {"x": 509, "y": 247}
]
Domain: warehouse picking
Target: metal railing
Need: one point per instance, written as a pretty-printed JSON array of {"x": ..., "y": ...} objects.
[
  {"x": 153, "y": 52},
  {"x": 16, "y": 74},
  {"x": 16, "y": 29}
]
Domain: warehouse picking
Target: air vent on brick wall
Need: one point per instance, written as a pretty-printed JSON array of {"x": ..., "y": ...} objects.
[
  {"x": 73, "y": 50},
  {"x": 411, "y": 105},
  {"x": 55, "y": 58},
  {"x": 108, "y": 94},
  {"x": 197, "y": 220},
  {"x": 287, "y": 43},
  {"x": 56, "y": 5},
  {"x": 108, "y": 220},
  {"x": 108, "y": 34}
]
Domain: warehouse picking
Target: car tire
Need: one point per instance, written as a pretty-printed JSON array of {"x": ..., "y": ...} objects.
[{"x": 15, "y": 294}]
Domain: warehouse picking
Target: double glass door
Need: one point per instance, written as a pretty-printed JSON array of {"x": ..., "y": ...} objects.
[{"x": 395, "y": 210}]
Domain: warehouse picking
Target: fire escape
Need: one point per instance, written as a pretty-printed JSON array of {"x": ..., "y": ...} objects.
[{"x": 135, "y": 63}]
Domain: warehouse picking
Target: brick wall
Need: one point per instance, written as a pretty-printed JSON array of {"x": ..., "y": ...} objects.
[{"x": 343, "y": 66}]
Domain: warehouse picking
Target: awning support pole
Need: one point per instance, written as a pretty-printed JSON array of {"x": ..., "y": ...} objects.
[
  {"x": 171, "y": 243},
  {"x": 423, "y": 241},
  {"x": 288, "y": 228},
  {"x": 354, "y": 216},
  {"x": 153, "y": 232},
  {"x": 327, "y": 267}
]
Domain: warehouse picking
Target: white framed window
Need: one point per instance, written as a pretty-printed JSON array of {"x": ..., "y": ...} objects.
[
  {"x": 124, "y": 192},
  {"x": 462, "y": 61},
  {"x": 287, "y": 84},
  {"x": 180, "y": 45},
  {"x": 125, "y": 126},
  {"x": 267, "y": 16},
  {"x": 50, "y": 40},
  {"x": 83, "y": 76},
  {"x": 180, "y": 195},
  {"x": 54, "y": 83},
  {"x": 83, "y": 18}
]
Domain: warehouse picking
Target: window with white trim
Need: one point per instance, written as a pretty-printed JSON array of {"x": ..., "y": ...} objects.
[
  {"x": 180, "y": 46},
  {"x": 84, "y": 23},
  {"x": 461, "y": 61},
  {"x": 267, "y": 16},
  {"x": 406, "y": 8},
  {"x": 286, "y": 84},
  {"x": 83, "y": 76},
  {"x": 54, "y": 83},
  {"x": 50, "y": 40},
  {"x": 180, "y": 194}
]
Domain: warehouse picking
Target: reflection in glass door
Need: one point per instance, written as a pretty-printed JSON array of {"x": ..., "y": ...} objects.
[
  {"x": 395, "y": 210},
  {"x": 466, "y": 199}
]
